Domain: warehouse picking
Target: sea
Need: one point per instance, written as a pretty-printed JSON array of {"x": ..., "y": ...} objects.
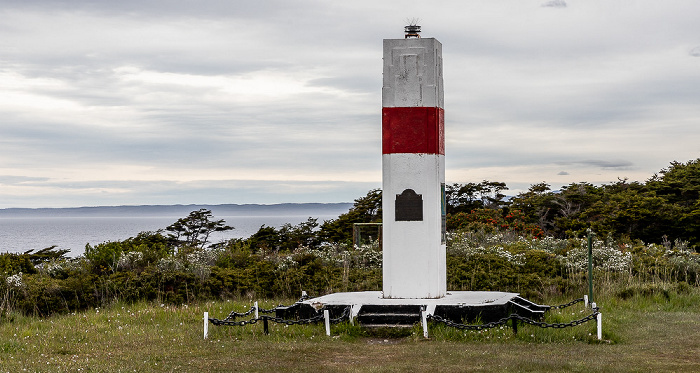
[{"x": 73, "y": 228}]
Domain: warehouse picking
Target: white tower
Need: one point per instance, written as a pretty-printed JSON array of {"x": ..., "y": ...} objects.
[{"x": 413, "y": 168}]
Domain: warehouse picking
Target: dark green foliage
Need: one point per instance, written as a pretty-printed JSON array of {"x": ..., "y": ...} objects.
[
  {"x": 472, "y": 196},
  {"x": 266, "y": 239},
  {"x": 493, "y": 220},
  {"x": 105, "y": 257},
  {"x": 300, "y": 235},
  {"x": 45, "y": 296},
  {"x": 367, "y": 209},
  {"x": 180, "y": 268},
  {"x": 14, "y": 263},
  {"x": 47, "y": 254},
  {"x": 286, "y": 238},
  {"x": 667, "y": 205},
  {"x": 193, "y": 231}
]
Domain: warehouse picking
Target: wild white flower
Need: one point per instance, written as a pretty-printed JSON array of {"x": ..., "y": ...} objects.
[
  {"x": 169, "y": 264},
  {"x": 129, "y": 260},
  {"x": 14, "y": 280},
  {"x": 58, "y": 267},
  {"x": 605, "y": 255}
]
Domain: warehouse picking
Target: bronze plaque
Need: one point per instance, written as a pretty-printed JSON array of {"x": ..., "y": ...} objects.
[{"x": 409, "y": 206}]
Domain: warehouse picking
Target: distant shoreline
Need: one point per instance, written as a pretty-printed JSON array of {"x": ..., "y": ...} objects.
[
  {"x": 281, "y": 209},
  {"x": 22, "y": 229}
]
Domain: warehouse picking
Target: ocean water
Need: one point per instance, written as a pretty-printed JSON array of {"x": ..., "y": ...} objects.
[{"x": 19, "y": 234}]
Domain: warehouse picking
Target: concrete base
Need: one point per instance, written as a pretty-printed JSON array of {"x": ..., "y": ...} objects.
[
  {"x": 458, "y": 306},
  {"x": 466, "y": 298}
]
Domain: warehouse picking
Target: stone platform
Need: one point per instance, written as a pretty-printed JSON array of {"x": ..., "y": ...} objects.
[{"x": 371, "y": 309}]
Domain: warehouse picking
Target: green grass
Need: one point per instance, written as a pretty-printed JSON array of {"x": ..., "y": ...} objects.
[{"x": 646, "y": 331}]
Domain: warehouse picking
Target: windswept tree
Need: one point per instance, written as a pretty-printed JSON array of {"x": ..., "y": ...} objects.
[
  {"x": 367, "y": 209},
  {"x": 193, "y": 231},
  {"x": 473, "y": 196}
]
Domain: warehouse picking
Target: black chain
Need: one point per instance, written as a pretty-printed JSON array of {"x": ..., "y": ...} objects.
[
  {"x": 514, "y": 316},
  {"x": 269, "y": 310},
  {"x": 561, "y": 306},
  {"x": 234, "y": 314},
  {"x": 279, "y": 320},
  {"x": 526, "y": 320},
  {"x": 453, "y": 324}
]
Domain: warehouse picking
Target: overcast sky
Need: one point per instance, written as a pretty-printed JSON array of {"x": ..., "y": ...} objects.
[{"x": 177, "y": 102}]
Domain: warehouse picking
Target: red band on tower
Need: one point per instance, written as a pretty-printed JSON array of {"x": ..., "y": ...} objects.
[{"x": 417, "y": 130}]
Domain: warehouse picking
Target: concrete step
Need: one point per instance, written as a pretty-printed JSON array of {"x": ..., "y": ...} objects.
[
  {"x": 524, "y": 307},
  {"x": 388, "y": 318},
  {"x": 384, "y": 326},
  {"x": 375, "y": 316}
]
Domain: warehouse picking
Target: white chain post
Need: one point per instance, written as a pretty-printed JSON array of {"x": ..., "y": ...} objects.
[
  {"x": 206, "y": 324},
  {"x": 424, "y": 322},
  {"x": 256, "y": 309},
  {"x": 327, "y": 320},
  {"x": 600, "y": 325}
]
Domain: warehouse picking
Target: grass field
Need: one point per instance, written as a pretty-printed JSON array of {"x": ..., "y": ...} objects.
[{"x": 645, "y": 332}]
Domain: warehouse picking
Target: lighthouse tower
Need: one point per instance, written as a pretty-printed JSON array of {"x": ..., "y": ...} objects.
[{"x": 413, "y": 168}]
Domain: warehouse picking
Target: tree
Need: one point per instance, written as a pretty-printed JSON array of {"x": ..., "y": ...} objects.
[
  {"x": 302, "y": 234},
  {"x": 537, "y": 205},
  {"x": 367, "y": 209},
  {"x": 287, "y": 238},
  {"x": 680, "y": 185},
  {"x": 462, "y": 197},
  {"x": 194, "y": 230},
  {"x": 473, "y": 196}
]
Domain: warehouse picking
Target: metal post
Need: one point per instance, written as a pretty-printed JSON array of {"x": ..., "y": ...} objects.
[
  {"x": 590, "y": 265},
  {"x": 265, "y": 326},
  {"x": 206, "y": 324},
  {"x": 599, "y": 319},
  {"x": 424, "y": 322},
  {"x": 256, "y": 309},
  {"x": 327, "y": 318},
  {"x": 514, "y": 322}
]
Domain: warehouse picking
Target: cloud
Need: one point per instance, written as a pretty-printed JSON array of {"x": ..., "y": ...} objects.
[
  {"x": 136, "y": 100},
  {"x": 555, "y": 4},
  {"x": 20, "y": 180},
  {"x": 695, "y": 52},
  {"x": 563, "y": 173},
  {"x": 620, "y": 164},
  {"x": 138, "y": 192}
]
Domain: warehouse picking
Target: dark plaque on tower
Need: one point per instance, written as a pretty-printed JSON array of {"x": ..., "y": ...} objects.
[{"x": 409, "y": 206}]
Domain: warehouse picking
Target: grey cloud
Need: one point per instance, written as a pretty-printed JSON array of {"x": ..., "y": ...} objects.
[
  {"x": 102, "y": 193},
  {"x": 21, "y": 180},
  {"x": 160, "y": 7},
  {"x": 349, "y": 83},
  {"x": 555, "y": 4},
  {"x": 519, "y": 92},
  {"x": 563, "y": 173},
  {"x": 621, "y": 164}
]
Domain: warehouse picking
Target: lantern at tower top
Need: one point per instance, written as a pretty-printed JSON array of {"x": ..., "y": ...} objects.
[{"x": 412, "y": 30}]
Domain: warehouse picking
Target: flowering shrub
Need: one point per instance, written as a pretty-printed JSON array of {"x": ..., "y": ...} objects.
[
  {"x": 492, "y": 220},
  {"x": 169, "y": 264},
  {"x": 59, "y": 268},
  {"x": 129, "y": 260},
  {"x": 338, "y": 255},
  {"x": 14, "y": 281},
  {"x": 606, "y": 256},
  {"x": 482, "y": 259}
]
